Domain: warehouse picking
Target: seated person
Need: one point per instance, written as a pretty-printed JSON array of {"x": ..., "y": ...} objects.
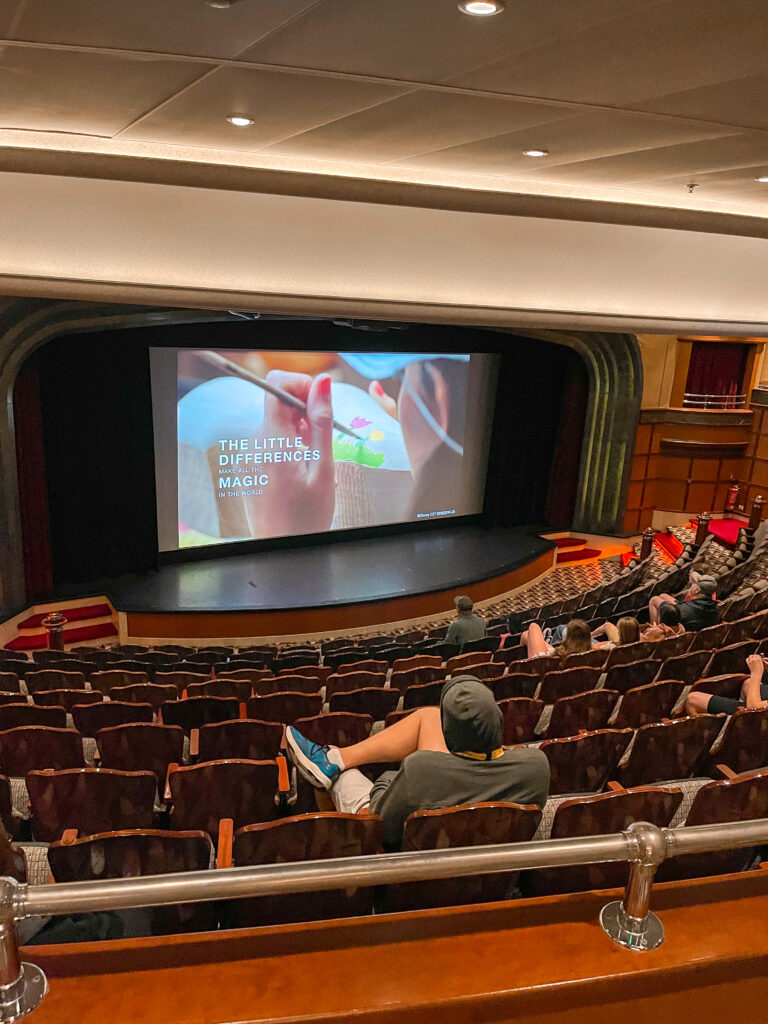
[
  {"x": 467, "y": 626},
  {"x": 669, "y": 623},
  {"x": 754, "y": 693},
  {"x": 450, "y": 755},
  {"x": 577, "y": 640},
  {"x": 626, "y": 631},
  {"x": 697, "y": 610}
]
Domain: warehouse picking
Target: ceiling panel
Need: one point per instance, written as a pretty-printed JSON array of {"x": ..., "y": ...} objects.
[
  {"x": 414, "y": 123},
  {"x": 689, "y": 161},
  {"x": 667, "y": 47},
  {"x": 583, "y": 137},
  {"x": 167, "y": 26},
  {"x": 423, "y": 40},
  {"x": 280, "y": 102},
  {"x": 742, "y": 101},
  {"x": 88, "y": 93}
]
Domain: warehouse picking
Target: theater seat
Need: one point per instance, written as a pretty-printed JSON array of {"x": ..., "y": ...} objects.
[
  {"x": 584, "y": 763},
  {"x": 340, "y": 682},
  {"x": 669, "y": 750},
  {"x": 284, "y": 707},
  {"x": 66, "y": 699},
  {"x": 89, "y": 800},
  {"x": 202, "y": 795},
  {"x": 481, "y": 824},
  {"x": 625, "y": 653},
  {"x": 367, "y": 665},
  {"x": 673, "y": 645},
  {"x": 14, "y": 716},
  {"x": 567, "y": 682},
  {"x": 649, "y": 703},
  {"x": 521, "y": 714},
  {"x": 241, "y": 738},
  {"x": 140, "y": 747},
  {"x": 581, "y": 712},
  {"x": 134, "y": 854},
  {"x": 144, "y": 693},
  {"x": 285, "y": 684},
  {"x": 731, "y": 659},
  {"x": 239, "y": 689},
  {"x": 423, "y": 696},
  {"x": 374, "y": 701},
  {"x": 305, "y": 837},
  {"x": 632, "y": 674},
  {"x": 54, "y": 679},
  {"x": 743, "y": 746},
  {"x": 515, "y": 684},
  {"x": 597, "y": 815},
  {"x": 198, "y": 711},
  {"x": 320, "y": 672},
  {"x": 90, "y": 718},
  {"x": 416, "y": 675},
  {"x": 417, "y": 661},
  {"x": 32, "y": 747},
  {"x": 710, "y": 638},
  {"x": 339, "y": 729},
  {"x": 106, "y": 679},
  {"x": 685, "y": 667},
  {"x": 742, "y": 797},
  {"x": 462, "y": 663}
]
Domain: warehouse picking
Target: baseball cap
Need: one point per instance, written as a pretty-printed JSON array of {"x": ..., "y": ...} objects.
[
  {"x": 470, "y": 717},
  {"x": 380, "y": 365},
  {"x": 707, "y": 585}
]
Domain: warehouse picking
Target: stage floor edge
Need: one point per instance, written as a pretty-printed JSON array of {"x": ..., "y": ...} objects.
[{"x": 326, "y": 588}]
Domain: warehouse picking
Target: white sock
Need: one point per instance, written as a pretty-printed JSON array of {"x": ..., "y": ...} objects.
[{"x": 334, "y": 756}]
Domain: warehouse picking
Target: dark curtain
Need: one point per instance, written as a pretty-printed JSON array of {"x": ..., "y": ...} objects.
[
  {"x": 533, "y": 469},
  {"x": 97, "y": 421},
  {"x": 715, "y": 374},
  {"x": 33, "y": 494}
]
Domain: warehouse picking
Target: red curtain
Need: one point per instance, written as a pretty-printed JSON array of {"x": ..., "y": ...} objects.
[
  {"x": 716, "y": 374},
  {"x": 33, "y": 495}
]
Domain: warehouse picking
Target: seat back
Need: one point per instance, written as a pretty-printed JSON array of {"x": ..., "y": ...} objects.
[
  {"x": 634, "y": 673},
  {"x": 710, "y": 638},
  {"x": 649, "y": 703},
  {"x": 520, "y": 715},
  {"x": 106, "y": 679},
  {"x": 366, "y": 665},
  {"x": 144, "y": 693},
  {"x": 54, "y": 679},
  {"x": 463, "y": 662},
  {"x": 487, "y": 670},
  {"x": 339, "y": 682},
  {"x": 90, "y": 800},
  {"x": 14, "y": 716},
  {"x": 196, "y": 711},
  {"x": 743, "y": 798},
  {"x": 180, "y": 679},
  {"x": 239, "y": 689},
  {"x": 423, "y": 696},
  {"x": 686, "y": 667},
  {"x": 665, "y": 751},
  {"x": 284, "y": 707},
  {"x": 721, "y": 686},
  {"x": 626, "y": 653},
  {"x": 417, "y": 661},
  {"x": 744, "y": 744},
  {"x": 600, "y": 815},
  {"x": 673, "y": 645},
  {"x": 28, "y": 748},
  {"x": 481, "y": 824},
  {"x": 286, "y": 684},
  {"x": 566, "y": 682},
  {"x": 66, "y": 698},
  {"x": 204, "y": 793},
  {"x": 581, "y": 712},
  {"x": 9, "y": 682},
  {"x": 320, "y": 672},
  {"x": 241, "y": 738},
  {"x": 374, "y": 701},
  {"x": 140, "y": 747},
  {"x": 515, "y": 684},
  {"x": 138, "y": 853},
  {"x": 90, "y": 718},
  {"x": 731, "y": 659},
  {"x": 338, "y": 729},
  {"x": 588, "y": 659},
  {"x": 291, "y": 661},
  {"x": 403, "y": 678},
  {"x": 305, "y": 837},
  {"x": 584, "y": 763}
]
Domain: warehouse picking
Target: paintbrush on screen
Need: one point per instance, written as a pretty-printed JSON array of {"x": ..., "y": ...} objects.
[{"x": 226, "y": 364}]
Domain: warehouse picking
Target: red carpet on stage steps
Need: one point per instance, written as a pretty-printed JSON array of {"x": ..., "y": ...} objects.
[
  {"x": 573, "y": 549},
  {"x": 80, "y": 634},
  {"x": 91, "y": 611}
]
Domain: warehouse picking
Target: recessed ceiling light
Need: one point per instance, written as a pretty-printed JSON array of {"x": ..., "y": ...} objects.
[
  {"x": 220, "y": 5},
  {"x": 763, "y": 178},
  {"x": 481, "y": 8},
  {"x": 535, "y": 152},
  {"x": 239, "y": 121}
]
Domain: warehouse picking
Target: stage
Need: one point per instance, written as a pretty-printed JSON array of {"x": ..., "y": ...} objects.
[{"x": 327, "y": 587}]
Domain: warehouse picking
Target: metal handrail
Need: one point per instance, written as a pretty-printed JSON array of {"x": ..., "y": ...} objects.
[{"x": 628, "y": 922}]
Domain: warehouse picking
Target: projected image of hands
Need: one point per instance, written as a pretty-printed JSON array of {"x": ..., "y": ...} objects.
[{"x": 280, "y": 444}]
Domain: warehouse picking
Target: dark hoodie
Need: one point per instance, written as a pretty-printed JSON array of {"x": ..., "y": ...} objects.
[{"x": 428, "y": 779}]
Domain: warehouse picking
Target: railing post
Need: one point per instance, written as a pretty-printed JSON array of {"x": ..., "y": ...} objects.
[
  {"x": 647, "y": 543},
  {"x": 630, "y": 922},
  {"x": 22, "y": 986},
  {"x": 702, "y": 528}
]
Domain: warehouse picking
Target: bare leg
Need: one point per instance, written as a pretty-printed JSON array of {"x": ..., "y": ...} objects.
[
  {"x": 421, "y": 730},
  {"x": 535, "y": 641},
  {"x": 696, "y": 703}
]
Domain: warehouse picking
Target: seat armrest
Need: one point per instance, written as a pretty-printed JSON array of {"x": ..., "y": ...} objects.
[
  {"x": 616, "y": 787},
  {"x": 167, "y": 791},
  {"x": 194, "y": 743},
  {"x": 725, "y": 771},
  {"x": 226, "y": 833},
  {"x": 69, "y": 835},
  {"x": 283, "y": 779}
]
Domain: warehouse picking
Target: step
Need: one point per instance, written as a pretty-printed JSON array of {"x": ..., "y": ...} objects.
[
  {"x": 72, "y": 635},
  {"x": 76, "y": 614}
]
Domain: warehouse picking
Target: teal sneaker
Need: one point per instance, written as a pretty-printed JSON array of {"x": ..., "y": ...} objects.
[{"x": 311, "y": 759}]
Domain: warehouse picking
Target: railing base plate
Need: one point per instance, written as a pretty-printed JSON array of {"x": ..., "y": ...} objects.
[
  {"x": 633, "y": 933},
  {"x": 24, "y": 995}
]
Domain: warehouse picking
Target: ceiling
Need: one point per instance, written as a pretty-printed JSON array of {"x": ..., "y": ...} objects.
[{"x": 634, "y": 100}]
